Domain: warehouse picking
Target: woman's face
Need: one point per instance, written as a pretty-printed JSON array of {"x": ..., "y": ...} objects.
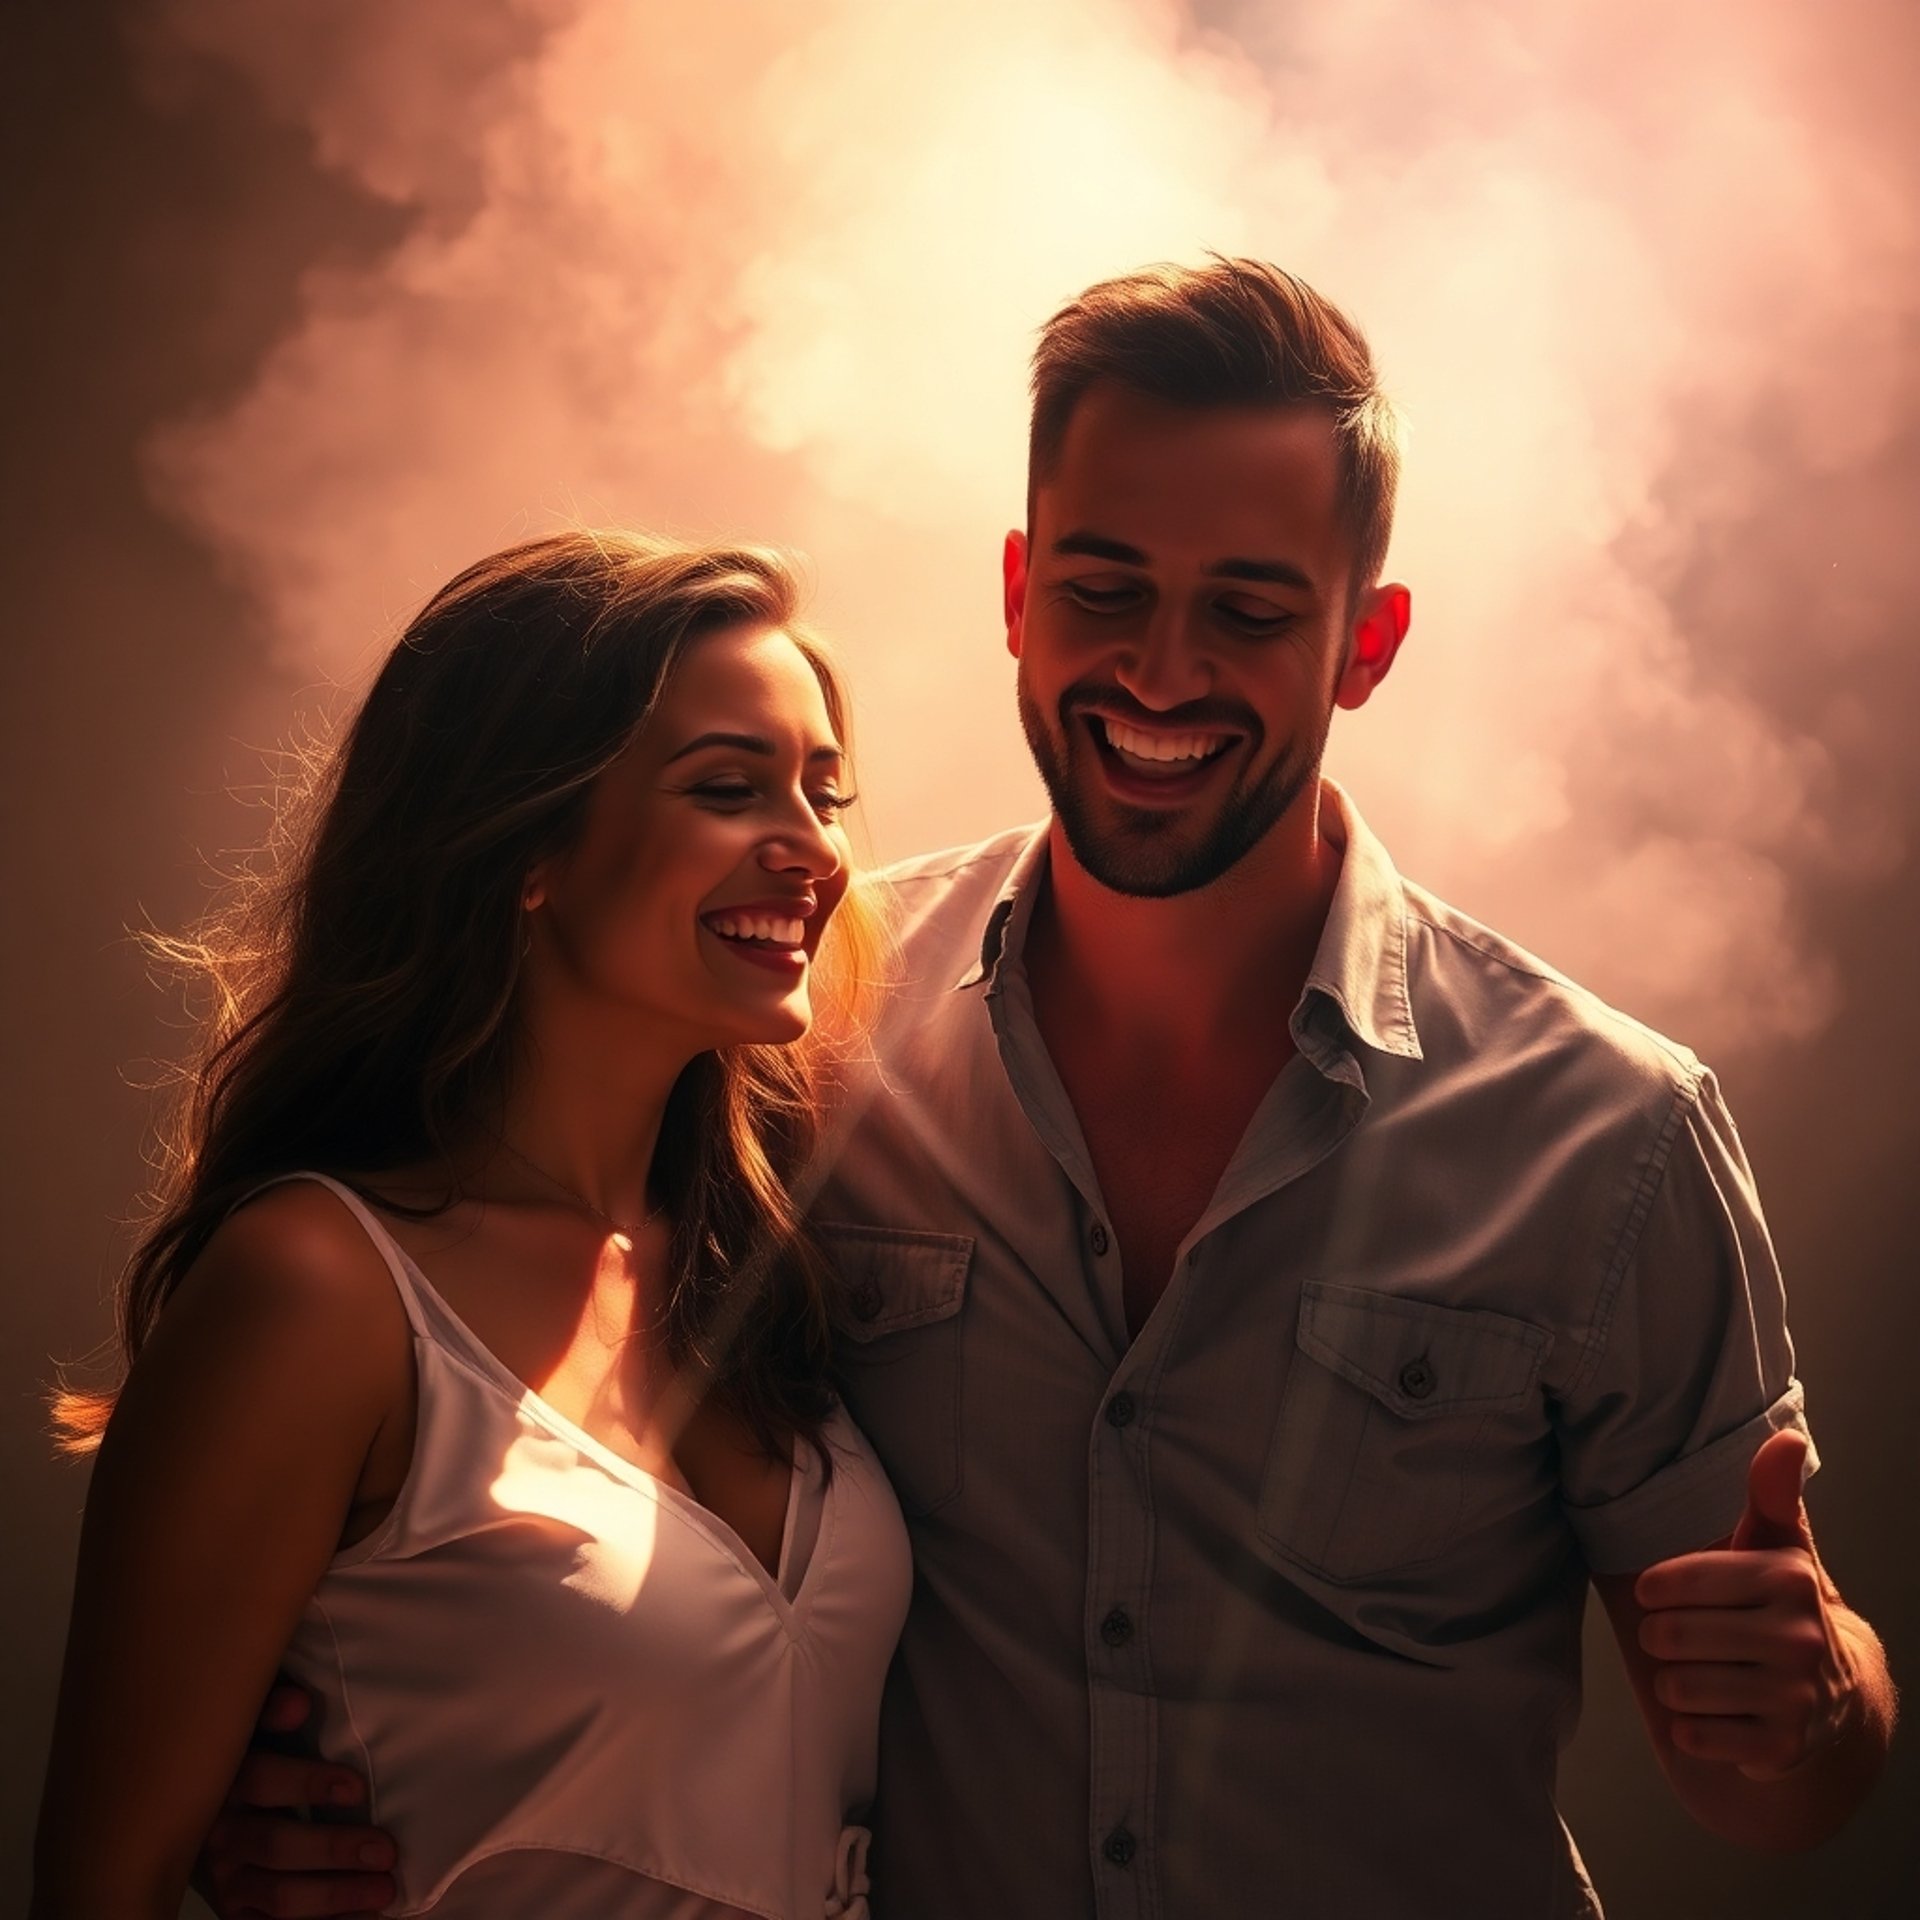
[{"x": 711, "y": 855}]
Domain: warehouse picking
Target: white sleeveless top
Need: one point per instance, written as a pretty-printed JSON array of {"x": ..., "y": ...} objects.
[{"x": 573, "y": 1691}]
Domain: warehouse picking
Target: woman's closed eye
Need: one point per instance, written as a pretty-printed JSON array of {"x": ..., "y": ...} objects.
[{"x": 732, "y": 794}]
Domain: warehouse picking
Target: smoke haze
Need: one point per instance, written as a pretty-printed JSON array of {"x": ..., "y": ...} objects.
[
  {"x": 314, "y": 302},
  {"x": 774, "y": 272}
]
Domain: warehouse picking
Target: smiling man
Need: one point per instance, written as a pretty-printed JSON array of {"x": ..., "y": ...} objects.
[{"x": 1275, "y": 1297}]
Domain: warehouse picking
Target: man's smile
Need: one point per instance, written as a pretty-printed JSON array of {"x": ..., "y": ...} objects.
[{"x": 1156, "y": 765}]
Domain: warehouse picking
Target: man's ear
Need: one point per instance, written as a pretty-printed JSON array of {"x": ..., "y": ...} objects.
[
  {"x": 1373, "y": 643},
  {"x": 1013, "y": 575}
]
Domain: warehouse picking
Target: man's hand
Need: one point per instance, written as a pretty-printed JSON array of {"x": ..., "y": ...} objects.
[
  {"x": 1750, "y": 1661},
  {"x": 264, "y": 1857}
]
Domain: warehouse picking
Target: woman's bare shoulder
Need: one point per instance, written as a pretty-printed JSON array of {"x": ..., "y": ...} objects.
[
  {"x": 287, "y": 1327},
  {"x": 294, "y": 1254}
]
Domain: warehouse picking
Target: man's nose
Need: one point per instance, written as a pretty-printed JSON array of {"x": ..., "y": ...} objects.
[{"x": 1166, "y": 664}]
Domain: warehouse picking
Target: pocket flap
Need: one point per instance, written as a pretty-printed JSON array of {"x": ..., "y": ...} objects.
[
  {"x": 893, "y": 1278},
  {"x": 1419, "y": 1358}
]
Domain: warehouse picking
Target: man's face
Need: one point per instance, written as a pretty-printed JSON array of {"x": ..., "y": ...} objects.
[{"x": 1180, "y": 612}]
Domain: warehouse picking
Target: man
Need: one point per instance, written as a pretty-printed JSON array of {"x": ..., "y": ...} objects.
[{"x": 1273, "y": 1295}]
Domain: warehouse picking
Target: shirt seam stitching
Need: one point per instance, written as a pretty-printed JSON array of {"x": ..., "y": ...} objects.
[
  {"x": 346, "y": 1708},
  {"x": 1652, "y": 1180},
  {"x": 1570, "y": 989},
  {"x": 825, "y": 1541},
  {"x": 514, "y": 1841},
  {"x": 1010, "y": 855},
  {"x": 1150, "y": 1703},
  {"x": 1403, "y": 966}
]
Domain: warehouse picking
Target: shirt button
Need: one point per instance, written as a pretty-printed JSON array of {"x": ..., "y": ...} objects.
[
  {"x": 866, "y": 1301},
  {"x": 1416, "y": 1380},
  {"x": 1099, "y": 1238},
  {"x": 1117, "y": 1628},
  {"x": 1121, "y": 1409},
  {"x": 1117, "y": 1847}
]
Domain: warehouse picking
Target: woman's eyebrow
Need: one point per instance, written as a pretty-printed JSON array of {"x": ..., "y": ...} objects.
[{"x": 746, "y": 743}]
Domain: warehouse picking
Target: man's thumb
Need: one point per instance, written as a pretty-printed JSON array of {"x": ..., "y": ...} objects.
[{"x": 1774, "y": 1515}]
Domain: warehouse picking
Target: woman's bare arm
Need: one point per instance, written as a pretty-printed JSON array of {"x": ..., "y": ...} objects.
[{"x": 219, "y": 1495}]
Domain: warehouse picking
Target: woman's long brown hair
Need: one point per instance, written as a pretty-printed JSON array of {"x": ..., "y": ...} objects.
[{"x": 358, "y": 988}]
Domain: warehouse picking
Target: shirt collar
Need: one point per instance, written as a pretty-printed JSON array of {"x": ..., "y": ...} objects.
[
  {"x": 1005, "y": 932},
  {"x": 1359, "y": 968}
]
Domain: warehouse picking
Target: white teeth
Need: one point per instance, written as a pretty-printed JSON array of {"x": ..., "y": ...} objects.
[
  {"x": 1161, "y": 746},
  {"x": 778, "y": 932}
]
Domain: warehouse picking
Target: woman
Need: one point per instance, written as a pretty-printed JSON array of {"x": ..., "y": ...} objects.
[{"x": 478, "y": 1356}]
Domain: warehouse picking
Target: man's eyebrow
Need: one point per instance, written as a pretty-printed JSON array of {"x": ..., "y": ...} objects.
[
  {"x": 747, "y": 743},
  {"x": 1279, "y": 573},
  {"x": 1096, "y": 546}
]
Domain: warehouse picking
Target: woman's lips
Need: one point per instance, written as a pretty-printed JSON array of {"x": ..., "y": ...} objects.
[
  {"x": 791, "y": 960},
  {"x": 771, "y": 934}
]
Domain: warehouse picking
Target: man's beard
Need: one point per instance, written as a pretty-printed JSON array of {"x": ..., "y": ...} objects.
[{"x": 1145, "y": 856}]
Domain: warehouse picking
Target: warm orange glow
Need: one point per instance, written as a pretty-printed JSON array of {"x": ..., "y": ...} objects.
[{"x": 736, "y": 278}]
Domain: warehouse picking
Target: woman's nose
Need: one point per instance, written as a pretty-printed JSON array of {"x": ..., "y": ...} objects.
[{"x": 808, "y": 848}]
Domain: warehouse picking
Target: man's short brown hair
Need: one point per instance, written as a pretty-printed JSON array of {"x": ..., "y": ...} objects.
[{"x": 1234, "y": 333}]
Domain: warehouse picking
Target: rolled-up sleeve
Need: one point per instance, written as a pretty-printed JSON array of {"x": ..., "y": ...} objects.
[{"x": 1690, "y": 1366}]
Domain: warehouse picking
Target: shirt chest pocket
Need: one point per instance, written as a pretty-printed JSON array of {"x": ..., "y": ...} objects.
[
  {"x": 897, "y": 1329},
  {"x": 1390, "y": 1421}
]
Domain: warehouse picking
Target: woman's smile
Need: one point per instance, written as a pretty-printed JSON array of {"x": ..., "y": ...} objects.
[{"x": 769, "y": 933}]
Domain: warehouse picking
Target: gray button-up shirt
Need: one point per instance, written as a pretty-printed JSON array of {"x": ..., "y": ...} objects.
[{"x": 1275, "y": 1608}]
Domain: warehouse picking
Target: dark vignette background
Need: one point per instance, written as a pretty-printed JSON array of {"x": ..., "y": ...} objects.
[{"x": 152, "y": 250}]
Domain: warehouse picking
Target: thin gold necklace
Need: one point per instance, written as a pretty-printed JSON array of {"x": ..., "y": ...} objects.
[{"x": 623, "y": 1236}]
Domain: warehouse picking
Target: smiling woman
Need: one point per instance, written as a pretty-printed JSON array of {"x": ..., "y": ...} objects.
[
  {"x": 537, "y": 998},
  {"x": 743, "y": 729}
]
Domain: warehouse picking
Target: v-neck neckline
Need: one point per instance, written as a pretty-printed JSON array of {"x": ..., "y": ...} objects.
[{"x": 723, "y": 1536}]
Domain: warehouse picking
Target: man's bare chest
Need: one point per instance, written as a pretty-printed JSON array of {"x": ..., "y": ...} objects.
[{"x": 1159, "y": 1155}]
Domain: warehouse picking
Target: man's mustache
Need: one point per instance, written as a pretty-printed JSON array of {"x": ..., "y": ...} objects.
[{"x": 1199, "y": 716}]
